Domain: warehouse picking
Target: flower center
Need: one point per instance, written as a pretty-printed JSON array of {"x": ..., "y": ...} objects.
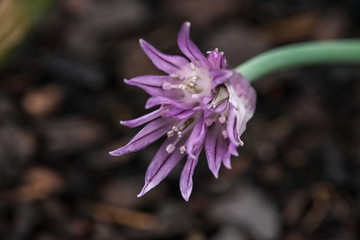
[{"x": 194, "y": 82}]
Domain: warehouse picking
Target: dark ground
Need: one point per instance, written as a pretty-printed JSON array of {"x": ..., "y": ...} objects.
[{"x": 62, "y": 95}]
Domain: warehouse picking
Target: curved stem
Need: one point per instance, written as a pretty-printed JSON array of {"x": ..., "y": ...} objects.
[{"x": 301, "y": 54}]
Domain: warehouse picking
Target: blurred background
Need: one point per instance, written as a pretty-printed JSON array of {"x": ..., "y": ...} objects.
[{"x": 62, "y": 95}]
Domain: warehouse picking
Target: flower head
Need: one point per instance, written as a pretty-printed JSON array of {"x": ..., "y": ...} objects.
[{"x": 203, "y": 104}]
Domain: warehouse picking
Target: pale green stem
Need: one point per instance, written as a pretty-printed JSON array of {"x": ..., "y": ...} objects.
[{"x": 301, "y": 54}]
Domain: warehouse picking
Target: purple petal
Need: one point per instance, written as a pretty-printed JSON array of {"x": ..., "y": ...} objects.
[
  {"x": 245, "y": 92},
  {"x": 144, "y": 119},
  {"x": 232, "y": 126},
  {"x": 168, "y": 63},
  {"x": 150, "y": 133},
  {"x": 216, "y": 147},
  {"x": 161, "y": 166},
  {"x": 179, "y": 113},
  {"x": 189, "y": 49},
  {"x": 153, "y": 85},
  {"x": 186, "y": 181},
  {"x": 220, "y": 76},
  {"x": 217, "y": 59},
  {"x": 227, "y": 157},
  {"x": 196, "y": 138},
  {"x": 159, "y": 100}
]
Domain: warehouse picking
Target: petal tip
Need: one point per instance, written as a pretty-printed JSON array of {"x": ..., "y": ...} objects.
[
  {"x": 113, "y": 153},
  {"x": 186, "y": 196}
]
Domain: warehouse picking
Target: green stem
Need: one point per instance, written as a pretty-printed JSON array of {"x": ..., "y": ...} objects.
[{"x": 301, "y": 54}]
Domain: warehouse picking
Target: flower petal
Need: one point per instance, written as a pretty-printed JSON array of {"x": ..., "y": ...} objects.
[
  {"x": 153, "y": 85},
  {"x": 179, "y": 113},
  {"x": 220, "y": 76},
  {"x": 159, "y": 100},
  {"x": 161, "y": 166},
  {"x": 189, "y": 49},
  {"x": 186, "y": 181},
  {"x": 216, "y": 148},
  {"x": 150, "y": 133},
  {"x": 168, "y": 63},
  {"x": 241, "y": 91},
  {"x": 144, "y": 119},
  {"x": 227, "y": 157},
  {"x": 217, "y": 59},
  {"x": 196, "y": 138}
]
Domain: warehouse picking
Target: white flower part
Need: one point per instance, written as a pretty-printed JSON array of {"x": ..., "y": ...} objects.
[{"x": 241, "y": 114}]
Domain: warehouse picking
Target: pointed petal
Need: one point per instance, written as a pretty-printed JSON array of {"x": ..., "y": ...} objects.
[
  {"x": 220, "y": 76},
  {"x": 231, "y": 126},
  {"x": 159, "y": 100},
  {"x": 240, "y": 90},
  {"x": 161, "y": 166},
  {"x": 189, "y": 49},
  {"x": 196, "y": 138},
  {"x": 179, "y": 113},
  {"x": 216, "y": 147},
  {"x": 144, "y": 119},
  {"x": 150, "y": 133},
  {"x": 217, "y": 59},
  {"x": 168, "y": 63},
  {"x": 226, "y": 160},
  {"x": 186, "y": 181},
  {"x": 153, "y": 85}
]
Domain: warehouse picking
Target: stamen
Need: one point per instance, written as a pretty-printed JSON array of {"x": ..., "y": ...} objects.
[
  {"x": 166, "y": 86},
  {"x": 222, "y": 119},
  {"x": 170, "y": 133},
  {"x": 225, "y": 134},
  {"x": 179, "y": 134},
  {"x": 182, "y": 149},
  {"x": 170, "y": 148},
  {"x": 192, "y": 66},
  {"x": 182, "y": 86},
  {"x": 175, "y": 75}
]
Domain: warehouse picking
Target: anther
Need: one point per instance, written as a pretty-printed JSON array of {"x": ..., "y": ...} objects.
[
  {"x": 192, "y": 66},
  {"x": 179, "y": 134},
  {"x": 222, "y": 119},
  {"x": 182, "y": 149},
  {"x": 170, "y": 133},
  {"x": 170, "y": 148},
  {"x": 182, "y": 86}
]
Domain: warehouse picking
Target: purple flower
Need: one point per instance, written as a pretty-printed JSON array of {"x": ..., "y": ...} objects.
[{"x": 203, "y": 104}]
